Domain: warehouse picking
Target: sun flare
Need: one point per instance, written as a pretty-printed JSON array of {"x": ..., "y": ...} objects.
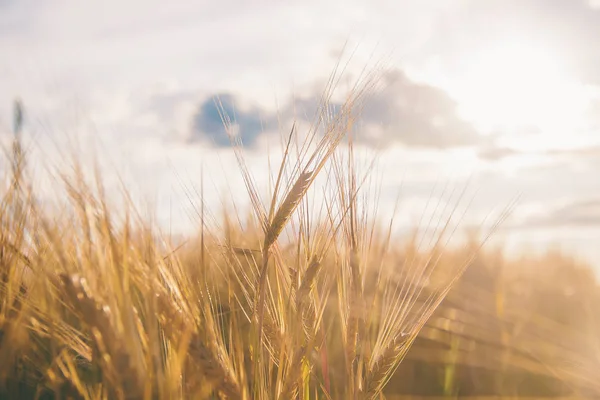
[{"x": 519, "y": 84}]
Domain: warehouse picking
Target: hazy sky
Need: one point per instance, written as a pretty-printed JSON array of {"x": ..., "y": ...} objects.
[{"x": 505, "y": 91}]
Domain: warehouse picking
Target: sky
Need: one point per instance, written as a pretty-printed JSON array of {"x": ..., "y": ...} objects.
[{"x": 504, "y": 94}]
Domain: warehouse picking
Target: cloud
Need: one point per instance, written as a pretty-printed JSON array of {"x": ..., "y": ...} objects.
[
  {"x": 579, "y": 154},
  {"x": 579, "y": 213},
  {"x": 13, "y": 18},
  {"x": 416, "y": 114},
  {"x": 208, "y": 121},
  {"x": 403, "y": 112},
  {"x": 496, "y": 153}
]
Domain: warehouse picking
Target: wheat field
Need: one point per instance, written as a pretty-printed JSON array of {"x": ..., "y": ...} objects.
[{"x": 298, "y": 300}]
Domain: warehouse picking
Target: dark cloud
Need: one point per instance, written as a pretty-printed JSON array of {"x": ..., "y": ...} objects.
[
  {"x": 208, "y": 123},
  {"x": 581, "y": 213},
  {"x": 570, "y": 26},
  {"x": 402, "y": 112}
]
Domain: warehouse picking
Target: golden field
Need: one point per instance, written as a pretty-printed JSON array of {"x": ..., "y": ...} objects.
[{"x": 301, "y": 299}]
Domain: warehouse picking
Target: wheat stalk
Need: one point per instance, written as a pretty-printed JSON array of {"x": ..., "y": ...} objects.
[
  {"x": 204, "y": 349},
  {"x": 122, "y": 372},
  {"x": 308, "y": 282}
]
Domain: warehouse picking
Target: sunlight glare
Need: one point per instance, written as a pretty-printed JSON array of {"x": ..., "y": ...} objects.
[{"x": 519, "y": 84}]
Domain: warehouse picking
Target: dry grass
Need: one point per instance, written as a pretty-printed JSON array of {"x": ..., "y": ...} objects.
[{"x": 98, "y": 305}]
